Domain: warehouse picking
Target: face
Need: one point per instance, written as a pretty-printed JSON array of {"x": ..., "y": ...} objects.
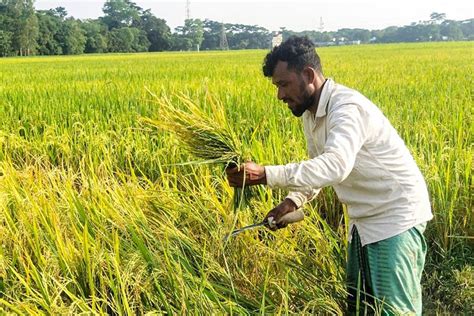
[{"x": 293, "y": 88}]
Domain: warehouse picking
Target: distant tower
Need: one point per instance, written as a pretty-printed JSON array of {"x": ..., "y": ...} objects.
[
  {"x": 321, "y": 25},
  {"x": 223, "y": 39},
  {"x": 188, "y": 9}
]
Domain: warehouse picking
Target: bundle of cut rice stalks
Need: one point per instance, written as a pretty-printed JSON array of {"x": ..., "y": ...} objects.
[{"x": 208, "y": 136}]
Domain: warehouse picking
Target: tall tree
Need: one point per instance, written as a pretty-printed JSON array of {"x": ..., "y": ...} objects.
[
  {"x": 437, "y": 18},
  {"x": 73, "y": 40},
  {"x": 157, "y": 31},
  {"x": 5, "y": 31},
  {"x": 23, "y": 25},
  {"x": 467, "y": 28},
  {"x": 49, "y": 26},
  {"x": 5, "y": 43},
  {"x": 451, "y": 30},
  {"x": 191, "y": 34},
  {"x": 96, "y": 36},
  {"x": 120, "y": 13},
  {"x": 127, "y": 39},
  {"x": 212, "y": 33}
]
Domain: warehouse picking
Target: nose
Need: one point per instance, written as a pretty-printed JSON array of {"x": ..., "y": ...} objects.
[{"x": 280, "y": 94}]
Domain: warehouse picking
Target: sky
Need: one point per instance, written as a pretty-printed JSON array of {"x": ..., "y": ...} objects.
[{"x": 296, "y": 15}]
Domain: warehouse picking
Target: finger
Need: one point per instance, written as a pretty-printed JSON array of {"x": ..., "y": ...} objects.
[
  {"x": 280, "y": 225},
  {"x": 234, "y": 177},
  {"x": 271, "y": 222},
  {"x": 272, "y": 228},
  {"x": 232, "y": 170},
  {"x": 235, "y": 182}
]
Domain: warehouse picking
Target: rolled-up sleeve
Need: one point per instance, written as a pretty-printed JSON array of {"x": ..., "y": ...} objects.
[
  {"x": 301, "y": 198},
  {"x": 347, "y": 132}
]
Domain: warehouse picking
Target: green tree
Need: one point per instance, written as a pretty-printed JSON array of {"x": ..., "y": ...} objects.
[
  {"x": 5, "y": 43},
  {"x": 354, "y": 34},
  {"x": 22, "y": 23},
  {"x": 192, "y": 33},
  {"x": 239, "y": 36},
  {"x": 120, "y": 13},
  {"x": 71, "y": 37},
  {"x": 140, "y": 41},
  {"x": 467, "y": 28},
  {"x": 49, "y": 24},
  {"x": 120, "y": 40},
  {"x": 157, "y": 31},
  {"x": 5, "y": 32},
  {"x": 181, "y": 43},
  {"x": 127, "y": 39},
  {"x": 248, "y": 36},
  {"x": 437, "y": 18},
  {"x": 212, "y": 34},
  {"x": 452, "y": 30},
  {"x": 96, "y": 36}
]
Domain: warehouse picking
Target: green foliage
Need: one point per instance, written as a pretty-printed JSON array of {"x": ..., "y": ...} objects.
[
  {"x": 71, "y": 37},
  {"x": 49, "y": 28},
  {"x": 18, "y": 17},
  {"x": 119, "y": 13},
  {"x": 157, "y": 31},
  {"x": 456, "y": 295},
  {"x": 189, "y": 36},
  {"x": 239, "y": 36},
  {"x": 423, "y": 31},
  {"x": 127, "y": 39},
  {"x": 96, "y": 40},
  {"x": 5, "y": 42},
  {"x": 180, "y": 42}
]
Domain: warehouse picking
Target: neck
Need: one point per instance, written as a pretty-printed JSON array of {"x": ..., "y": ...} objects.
[{"x": 319, "y": 84}]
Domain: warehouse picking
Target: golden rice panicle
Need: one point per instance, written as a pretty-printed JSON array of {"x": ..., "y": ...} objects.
[{"x": 206, "y": 135}]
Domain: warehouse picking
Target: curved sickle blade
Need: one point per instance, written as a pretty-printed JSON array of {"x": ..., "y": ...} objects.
[{"x": 238, "y": 231}]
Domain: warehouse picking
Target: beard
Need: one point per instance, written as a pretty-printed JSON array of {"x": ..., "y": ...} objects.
[{"x": 306, "y": 103}]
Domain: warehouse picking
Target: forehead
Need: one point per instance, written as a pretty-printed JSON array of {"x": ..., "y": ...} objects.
[{"x": 281, "y": 73}]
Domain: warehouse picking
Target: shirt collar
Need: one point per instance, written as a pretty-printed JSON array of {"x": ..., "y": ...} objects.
[{"x": 324, "y": 97}]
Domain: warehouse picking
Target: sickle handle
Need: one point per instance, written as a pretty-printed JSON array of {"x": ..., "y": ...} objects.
[{"x": 292, "y": 217}]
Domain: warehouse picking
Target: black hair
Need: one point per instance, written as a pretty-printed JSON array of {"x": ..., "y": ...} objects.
[{"x": 298, "y": 52}]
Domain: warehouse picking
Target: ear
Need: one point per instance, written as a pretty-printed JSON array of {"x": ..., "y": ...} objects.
[{"x": 309, "y": 74}]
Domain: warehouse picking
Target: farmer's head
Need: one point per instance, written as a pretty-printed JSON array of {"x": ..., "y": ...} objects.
[{"x": 293, "y": 67}]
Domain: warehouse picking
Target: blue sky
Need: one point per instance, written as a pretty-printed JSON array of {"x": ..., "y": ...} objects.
[{"x": 295, "y": 15}]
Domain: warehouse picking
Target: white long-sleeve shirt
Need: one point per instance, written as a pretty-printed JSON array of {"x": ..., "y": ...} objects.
[{"x": 354, "y": 148}]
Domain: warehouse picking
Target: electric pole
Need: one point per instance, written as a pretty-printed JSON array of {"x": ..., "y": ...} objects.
[
  {"x": 321, "y": 25},
  {"x": 188, "y": 9},
  {"x": 224, "y": 45}
]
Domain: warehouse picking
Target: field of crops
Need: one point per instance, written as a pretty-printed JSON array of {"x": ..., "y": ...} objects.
[{"x": 99, "y": 214}]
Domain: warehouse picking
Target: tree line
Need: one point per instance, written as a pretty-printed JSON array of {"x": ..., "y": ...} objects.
[
  {"x": 126, "y": 27},
  {"x": 437, "y": 28}
]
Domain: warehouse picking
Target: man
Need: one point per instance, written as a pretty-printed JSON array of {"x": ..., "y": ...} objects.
[{"x": 352, "y": 147}]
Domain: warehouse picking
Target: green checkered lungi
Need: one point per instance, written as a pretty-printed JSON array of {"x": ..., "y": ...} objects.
[{"x": 383, "y": 278}]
